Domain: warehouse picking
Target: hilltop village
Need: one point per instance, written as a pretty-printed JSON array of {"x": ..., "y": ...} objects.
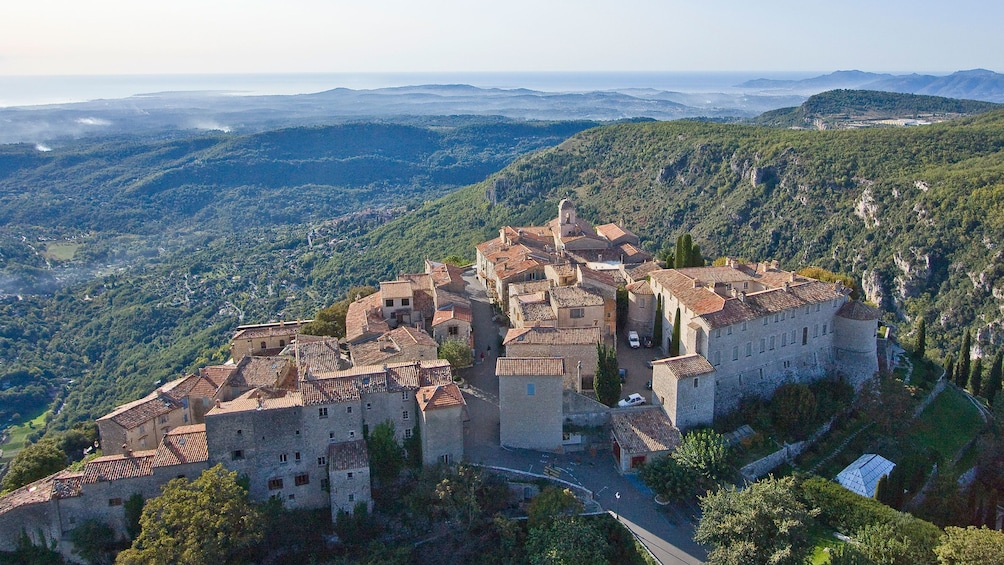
[{"x": 291, "y": 411}]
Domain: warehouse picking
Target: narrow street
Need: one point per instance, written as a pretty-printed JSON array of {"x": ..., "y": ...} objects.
[{"x": 626, "y": 497}]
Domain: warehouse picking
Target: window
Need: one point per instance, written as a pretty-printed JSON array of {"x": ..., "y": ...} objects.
[
  {"x": 771, "y": 341},
  {"x": 114, "y": 502},
  {"x": 728, "y": 331},
  {"x": 274, "y": 484},
  {"x": 793, "y": 337},
  {"x": 824, "y": 329},
  {"x": 301, "y": 479},
  {"x": 407, "y": 433},
  {"x": 352, "y": 434},
  {"x": 142, "y": 428},
  {"x": 531, "y": 389},
  {"x": 239, "y": 432},
  {"x": 696, "y": 379},
  {"x": 282, "y": 458},
  {"x": 817, "y": 307},
  {"x": 350, "y": 475},
  {"x": 322, "y": 412},
  {"x": 404, "y": 415},
  {"x": 366, "y": 430},
  {"x": 718, "y": 358},
  {"x": 744, "y": 326},
  {"x": 718, "y": 332},
  {"x": 163, "y": 419},
  {"x": 331, "y": 435},
  {"x": 405, "y": 302},
  {"x": 577, "y": 313},
  {"x": 352, "y": 498},
  {"x": 282, "y": 343},
  {"x": 366, "y": 380},
  {"x": 264, "y": 345},
  {"x": 322, "y": 461},
  {"x": 297, "y": 432},
  {"x": 765, "y": 321},
  {"x": 348, "y": 409},
  {"x": 404, "y": 395},
  {"x": 292, "y": 496},
  {"x": 369, "y": 405},
  {"x": 815, "y": 330},
  {"x": 325, "y": 485},
  {"x": 237, "y": 455},
  {"x": 296, "y": 456},
  {"x": 735, "y": 353},
  {"x": 805, "y": 335},
  {"x": 775, "y": 318},
  {"x": 784, "y": 339},
  {"x": 445, "y": 458},
  {"x": 749, "y": 348},
  {"x": 783, "y": 316},
  {"x": 763, "y": 345},
  {"x": 389, "y": 303},
  {"x": 453, "y": 330}
]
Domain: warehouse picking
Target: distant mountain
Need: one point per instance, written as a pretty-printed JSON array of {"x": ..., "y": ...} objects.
[
  {"x": 841, "y": 109},
  {"x": 977, "y": 84}
]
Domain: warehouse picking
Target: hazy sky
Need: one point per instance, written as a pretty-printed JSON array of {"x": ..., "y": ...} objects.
[{"x": 250, "y": 36}]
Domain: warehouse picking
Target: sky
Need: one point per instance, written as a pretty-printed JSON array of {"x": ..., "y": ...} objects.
[{"x": 102, "y": 37}]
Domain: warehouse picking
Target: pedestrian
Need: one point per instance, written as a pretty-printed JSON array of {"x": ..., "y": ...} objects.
[
  {"x": 482, "y": 356},
  {"x": 489, "y": 348}
]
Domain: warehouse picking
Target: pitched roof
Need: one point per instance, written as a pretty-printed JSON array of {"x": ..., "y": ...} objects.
[
  {"x": 115, "y": 467},
  {"x": 640, "y": 287},
  {"x": 528, "y": 287},
  {"x": 275, "y": 329},
  {"x": 644, "y": 431},
  {"x": 604, "y": 278},
  {"x": 615, "y": 234},
  {"x": 328, "y": 391},
  {"x": 552, "y": 336},
  {"x": 348, "y": 455},
  {"x": 632, "y": 254},
  {"x": 396, "y": 289},
  {"x": 258, "y": 399},
  {"x": 862, "y": 476},
  {"x": 445, "y": 275},
  {"x": 192, "y": 385},
  {"x": 641, "y": 271},
  {"x": 574, "y": 297},
  {"x": 218, "y": 374},
  {"x": 318, "y": 353},
  {"x": 184, "y": 444},
  {"x": 365, "y": 317},
  {"x": 253, "y": 371},
  {"x": 138, "y": 412},
  {"x": 529, "y": 367},
  {"x": 452, "y": 312},
  {"x": 439, "y": 396},
  {"x": 63, "y": 484},
  {"x": 686, "y": 366},
  {"x": 855, "y": 310},
  {"x": 402, "y": 343}
]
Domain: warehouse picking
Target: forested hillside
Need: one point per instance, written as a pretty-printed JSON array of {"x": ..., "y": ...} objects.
[
  {"x": 125, "y": 262},
  {"x": 917, "y": 213}
]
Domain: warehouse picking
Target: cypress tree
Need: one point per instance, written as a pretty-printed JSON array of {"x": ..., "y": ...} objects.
[
  {"x": 963, "y": 367},
  {"x": 688, "y": 247},
  {"x": 681, "y": 254},
  {"x": 921, "y": 339},
  {"x": 950, "y": 368},
  {"x": 674, "y": 346},
  {"x": 657, "y": 331},
  {"x": 993, "y": 385},
  {"x": 696, "y": 259},
  {"x": 607, "y": 383},
  {"x": 976, "y": 377},
  {"x": 881, "y": 493}
]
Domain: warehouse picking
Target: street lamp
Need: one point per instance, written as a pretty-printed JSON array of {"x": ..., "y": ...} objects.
[{"x": 617, "y": 505}]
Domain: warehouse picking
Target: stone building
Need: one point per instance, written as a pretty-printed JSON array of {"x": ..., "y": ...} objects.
[
  {"x": 530, "y": 402},
  {"x": 442, "y": 411},
  {"x": 576, "y": 345},
  {"x": 349, "y": 476},
  {"x": 641, "y": 435},
  {"x": 757, "y": 327},
  {"x": 263, "y": 339},
  {"x": 641, "y": 308}
]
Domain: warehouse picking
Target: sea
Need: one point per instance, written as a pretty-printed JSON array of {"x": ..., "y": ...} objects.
[{"x": 46, "y": 89}]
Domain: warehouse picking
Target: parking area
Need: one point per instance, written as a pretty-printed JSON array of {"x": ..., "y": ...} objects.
[{"x": 636, "y": 363}]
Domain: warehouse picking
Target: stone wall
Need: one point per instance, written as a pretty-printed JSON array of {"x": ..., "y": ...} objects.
[{"x": 530, "y": 421}]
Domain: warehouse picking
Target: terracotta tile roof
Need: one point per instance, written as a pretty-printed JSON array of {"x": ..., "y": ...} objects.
[
  {"x": 445, "y": 298},
  {"x": 529, "y": 367},
  {"x": 764, "y": 303},
  {"x": 446, "y": 275},
  {"x": 574, "y": 297},
  {"x": 644, "y": 430},
  {"x": 365, "y": 317},
  {"x": 435, "y": 372},
  {"x": 395, "y": 289},
  {"x": 605, "y": 278},
  {"x": 218, "y": 374},
  {"x": 115, "y": 467},
  {"x": 453, "y": 312},
  {"x": 277, "y": 329},
  {"x": 42, "y": 490},
  {"x": 562, "y": 270},
  {"x": 320, "y": 354},
  {"x": 328, "y": 391},
  {"x": 419, "y": 281},
  {"x": 139, "y": 412},
  {"x": 424, "y": 302},
  {"x": 440, "y": 396},
  {"x": 259, "y": 399},
  {"x": 552, "y": 336},
  {"x": 195, "y": 386},
  {"x": 855, "y": 310},
  {"x": 348, "y": 455},
  {"x": 182, "y": 445},
  {"x": 528, "y": 287},
  {"x": 404, "y": 343},
  {"x": 255, "y": 372},
  {"x": 641, "y": 271},
  {"x": 616, "y": 234},
  {"x": 640, "y": 287},
  {"x": 536, "y": 311},
  {"x": 631, "y": 254},
  {"x": 685, "y": 366}
]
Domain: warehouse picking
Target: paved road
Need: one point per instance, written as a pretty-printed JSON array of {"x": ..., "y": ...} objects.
[{"x": 670, "y": 542}]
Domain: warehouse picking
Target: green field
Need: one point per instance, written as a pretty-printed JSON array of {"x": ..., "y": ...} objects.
[
  {"x": 60, "y": 250},
  {"x": 17, "y": 435},
  {"x": 947, "y": 424}
]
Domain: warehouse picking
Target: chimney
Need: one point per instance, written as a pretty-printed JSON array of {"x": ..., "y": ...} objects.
[
  {"x": 791, "y": 276},
  {"x": 742, "y": 297},
  {"x": 787, "y": 286},
  {"x": 735, "y": 293},
  {"x": 217, "y": 402}
]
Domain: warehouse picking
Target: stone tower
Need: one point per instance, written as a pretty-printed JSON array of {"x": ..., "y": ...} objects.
[{"x": 566, "y": 218}]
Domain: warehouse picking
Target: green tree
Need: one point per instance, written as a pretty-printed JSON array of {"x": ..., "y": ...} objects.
[
  {"x": 208, "y": 520},
  {"x": 32, "y": 463},
  {"x": 668, "y": 478},
  {"x": 607, "y": 382},
  {"x": 385, "y": 453},
  {"x": 793, "y": 408},
  {"x": 457, "y": 352},
  {"x": 764, "y": 523},
  {"x": 550, "y": 503},
  {"x": 976, "y": 377},
  {"x": 963, "y": 367},
  {"x": 971, "y": 546},
  {"x": 657, "y": 330},
  {"x": 569, "y": 541},
  {"x": 682, "y": 247},
  {"x": 921, "y": 347},
  {"x": 696, "y": 259},
  {"x": 133, "y": 509},
  {"x": 356, "y": 528},
  {"x": 993, "y": 386},
  {"x": 93, "y": 541},
  {"x": 674, "y": 345},
  {"x": 706, "y": 453},
  {"x": 331, "y": 320},
  {"x": 622, "y": 308}
]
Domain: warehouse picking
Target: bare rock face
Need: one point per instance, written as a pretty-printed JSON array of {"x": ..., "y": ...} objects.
[
  {"x": 866, "y": 208},
  {"x": 914, "y": 273},
  {"x": 871, "y": 285}
]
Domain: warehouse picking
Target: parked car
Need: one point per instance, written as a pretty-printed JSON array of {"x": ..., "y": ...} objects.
[
  {"x": 633, "y": 340},
  {"x": 634, "y": 399},
  {"x": 647, "y": 341},
  {"x": 623, "y": 374}
]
